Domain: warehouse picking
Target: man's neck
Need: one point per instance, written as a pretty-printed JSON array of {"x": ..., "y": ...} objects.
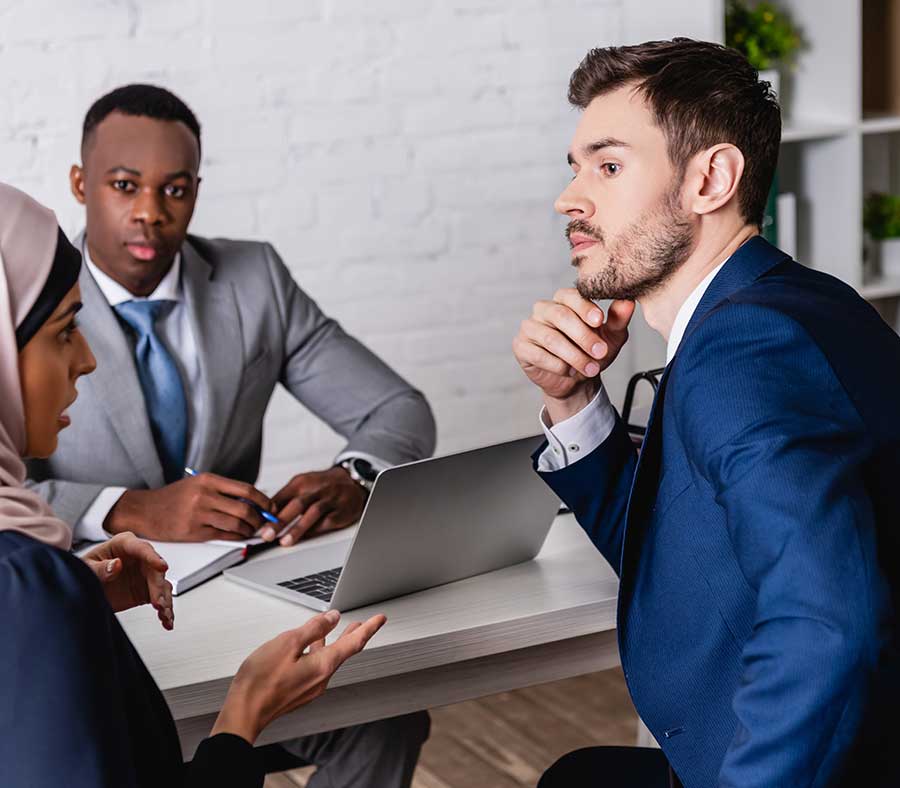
[
  {"x": 137, "y": 286},
  {"x": 661, "y": 306}
]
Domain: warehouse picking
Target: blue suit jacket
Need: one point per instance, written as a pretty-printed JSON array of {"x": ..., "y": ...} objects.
[{"x": 757, "y": 537}]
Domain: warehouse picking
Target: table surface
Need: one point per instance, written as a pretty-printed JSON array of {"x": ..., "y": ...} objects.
[{"x": 567, "y": 595}]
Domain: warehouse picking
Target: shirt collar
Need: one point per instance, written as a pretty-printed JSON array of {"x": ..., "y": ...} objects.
[
  {"x": 169, "y": 288},
  {"x": 686, "y": 310}
]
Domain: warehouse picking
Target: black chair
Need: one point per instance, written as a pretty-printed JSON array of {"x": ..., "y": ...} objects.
[{"x": 652, "y": 376}]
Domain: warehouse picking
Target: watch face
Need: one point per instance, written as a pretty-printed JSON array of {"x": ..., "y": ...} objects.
[{"x": 364, "y": 469}]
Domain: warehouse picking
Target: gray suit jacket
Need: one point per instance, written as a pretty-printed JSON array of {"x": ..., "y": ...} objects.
[{"x": 254, "y": 327}]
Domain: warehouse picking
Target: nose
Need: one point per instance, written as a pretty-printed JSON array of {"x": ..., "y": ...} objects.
[
  {"x": 84, "y": 361},
  {"x": 148, "y": 207},
  {"x": 573, "y": 202}
]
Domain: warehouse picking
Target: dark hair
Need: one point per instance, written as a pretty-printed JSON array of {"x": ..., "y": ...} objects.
[
  {"x": 700, "y": 94},
  {"x": 147, "y": 101}
]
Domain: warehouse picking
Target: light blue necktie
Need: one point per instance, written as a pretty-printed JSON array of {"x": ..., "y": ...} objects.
[{"x": 161, "y": 384}]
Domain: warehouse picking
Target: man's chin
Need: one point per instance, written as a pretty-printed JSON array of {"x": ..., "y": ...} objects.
[
  {"x": 596, "y": 287},
  {"x": 591, "y": 284},
  {"x": 588, "y": 289}
]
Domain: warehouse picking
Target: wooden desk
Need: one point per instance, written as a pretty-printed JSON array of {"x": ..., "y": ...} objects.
[{"x": 544, "y": 620}]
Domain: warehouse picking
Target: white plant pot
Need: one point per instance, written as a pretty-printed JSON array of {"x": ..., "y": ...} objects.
[
  {"x": 773, "y": 76},
  {"x": 889, "y": 258}
]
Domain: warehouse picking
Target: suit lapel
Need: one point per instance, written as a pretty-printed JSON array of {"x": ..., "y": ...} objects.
[
  {"x": 215, "y": 322},
  {"x": 115, "y": 382}
]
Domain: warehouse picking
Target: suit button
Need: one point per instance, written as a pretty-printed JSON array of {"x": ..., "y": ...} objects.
[{"x": 574, "y": 447}]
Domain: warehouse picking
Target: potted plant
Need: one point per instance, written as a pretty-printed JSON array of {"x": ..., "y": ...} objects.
[
  {"x": 881, "y": 219},
  {"x": 766, "y": 35}
]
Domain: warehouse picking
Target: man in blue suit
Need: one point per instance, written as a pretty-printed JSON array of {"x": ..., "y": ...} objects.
[{"x": 756, "y": 537}]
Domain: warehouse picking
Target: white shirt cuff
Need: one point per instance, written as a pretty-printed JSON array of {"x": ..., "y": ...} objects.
[
  {"x": 376, "y": 462},
  {"x": 578, "y": 435},
  {"x": 90, "y": 526}
]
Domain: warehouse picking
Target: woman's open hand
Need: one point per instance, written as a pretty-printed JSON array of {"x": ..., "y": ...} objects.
[
  {"x": 289, "y": 671},
  {"x": 132, "y": 573}
]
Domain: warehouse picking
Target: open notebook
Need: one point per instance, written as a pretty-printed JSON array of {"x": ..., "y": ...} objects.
[{"x": 190, "y": 563}]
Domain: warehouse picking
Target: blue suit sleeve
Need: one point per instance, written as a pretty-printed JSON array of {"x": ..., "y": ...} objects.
[
  {"x": 596, "y": 489},
  {"x": 769, "y": 427}
]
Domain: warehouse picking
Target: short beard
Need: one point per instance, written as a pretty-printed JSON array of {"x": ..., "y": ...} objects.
[{"x": 644, "y": 256}]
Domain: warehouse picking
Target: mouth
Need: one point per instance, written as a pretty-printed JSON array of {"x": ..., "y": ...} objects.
[
  {"x": 580, "y": 243},
  {"x": 145, "y": 251},
  {"x": 64, "y": 420}
]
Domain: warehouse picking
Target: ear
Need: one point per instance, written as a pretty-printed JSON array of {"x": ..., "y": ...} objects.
[
  {"x": 718, "y": 172},
  {"x": 76, "y": 182}
]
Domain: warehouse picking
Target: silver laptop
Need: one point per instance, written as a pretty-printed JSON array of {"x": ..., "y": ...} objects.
[{"x": 426, "y": 523}]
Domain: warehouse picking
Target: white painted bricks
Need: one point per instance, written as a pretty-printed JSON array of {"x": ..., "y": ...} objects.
[{"x": 402, "y": 155}]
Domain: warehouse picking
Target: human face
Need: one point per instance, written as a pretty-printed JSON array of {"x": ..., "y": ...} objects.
[
  {"x": 628, "y": 231},
  {"x": 49, "y": 364},
  {"x": 139, "y": 184}
]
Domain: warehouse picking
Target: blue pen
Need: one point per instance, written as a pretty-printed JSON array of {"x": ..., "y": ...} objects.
[{"x": 267, "y": 516}]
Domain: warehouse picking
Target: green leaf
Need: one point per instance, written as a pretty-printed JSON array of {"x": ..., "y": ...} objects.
[
  {"x": 764, "y": 33},
  {"x": 881, "y": 216}
]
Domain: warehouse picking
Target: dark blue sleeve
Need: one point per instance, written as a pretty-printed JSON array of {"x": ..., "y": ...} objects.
[
  {"x": 63, "y": 719},
  {"x": 769, "y": 428},
  {"x": 596, "y": 489},
  {"x": 79, "y": 708}
]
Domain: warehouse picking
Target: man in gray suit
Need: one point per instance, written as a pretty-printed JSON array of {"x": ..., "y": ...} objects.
[{"x": 191, "y": 336}]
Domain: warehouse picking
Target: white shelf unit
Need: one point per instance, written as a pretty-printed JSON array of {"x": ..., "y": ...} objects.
[{"x": 832, "y": 152}]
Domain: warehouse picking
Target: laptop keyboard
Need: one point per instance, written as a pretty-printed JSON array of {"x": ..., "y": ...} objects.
[{"x": 320, "y": 585}]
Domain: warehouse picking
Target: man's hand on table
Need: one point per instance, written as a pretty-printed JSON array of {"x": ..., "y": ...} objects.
[
  {"x": 195, "y": 509},
  {"x": 323, "y": 500}
]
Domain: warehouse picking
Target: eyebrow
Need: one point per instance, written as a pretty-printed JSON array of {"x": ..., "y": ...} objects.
[
  {"x": 137, "y": 173},
  {"x": 74, "y": 307},
  {"x": 592, "y": 147},
  {"x": 180, "y": 174},
  {"x": 122, "y": 168}
]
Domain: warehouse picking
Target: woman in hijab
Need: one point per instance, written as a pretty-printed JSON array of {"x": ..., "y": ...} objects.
[{"x": 79, "y": 707}]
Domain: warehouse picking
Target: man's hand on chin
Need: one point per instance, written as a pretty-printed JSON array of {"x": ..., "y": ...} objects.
[
  {"x": 322, "y": 500},
  {"x": 565, "y": 345}
]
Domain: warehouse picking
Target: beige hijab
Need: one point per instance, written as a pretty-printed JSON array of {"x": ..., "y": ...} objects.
[{"x": 28, "y": 235}]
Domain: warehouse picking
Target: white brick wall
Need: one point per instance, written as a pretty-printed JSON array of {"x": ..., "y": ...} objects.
[{"x": 429, "y": 133}]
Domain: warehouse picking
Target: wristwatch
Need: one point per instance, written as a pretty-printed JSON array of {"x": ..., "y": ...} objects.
[{"x": 361, "y": 472}]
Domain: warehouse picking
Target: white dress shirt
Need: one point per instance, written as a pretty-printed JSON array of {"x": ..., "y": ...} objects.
[
  {"x": 174, "y": 330},
  {"x": 578, "y": 435}
]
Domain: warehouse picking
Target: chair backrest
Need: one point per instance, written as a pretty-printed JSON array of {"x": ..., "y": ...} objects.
[{"x": 652, "y": 376}]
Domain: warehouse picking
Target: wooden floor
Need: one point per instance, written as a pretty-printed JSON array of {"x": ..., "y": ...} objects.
[{"x": 507, "y": 740}]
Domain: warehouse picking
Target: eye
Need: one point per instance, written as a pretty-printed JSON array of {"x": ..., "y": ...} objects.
[
  {"x": 123, "y": 185},
  {"x": 610, "y": 168},
  {"x": 175, "y": 191},
  {"x": 66, "y": 334}
]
